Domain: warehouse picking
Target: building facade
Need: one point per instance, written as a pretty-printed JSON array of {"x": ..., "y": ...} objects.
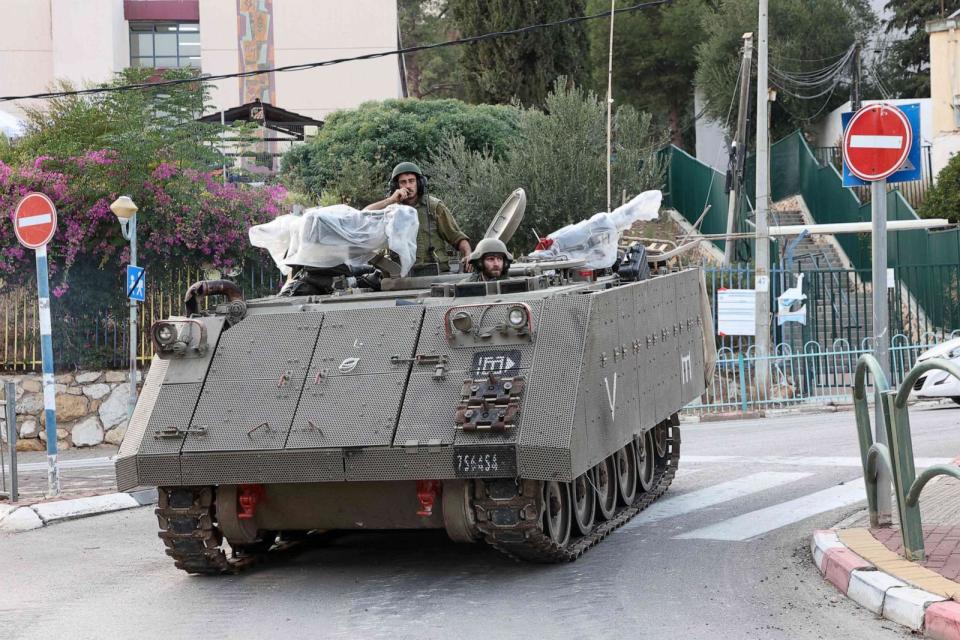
[
  {"x": 87, "y": 41},
  {"x": 945, "y": 89}
]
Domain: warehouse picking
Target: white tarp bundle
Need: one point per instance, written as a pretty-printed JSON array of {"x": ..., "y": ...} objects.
[
  {"x": 11, "y": 126},
  {"x": 595, "y": 239},
  {"x": 329, "y": 236}
]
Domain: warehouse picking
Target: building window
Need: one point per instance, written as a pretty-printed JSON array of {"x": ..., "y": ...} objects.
[{"x": 165, "y": 45}]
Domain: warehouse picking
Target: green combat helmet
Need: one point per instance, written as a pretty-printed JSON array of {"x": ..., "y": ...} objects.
[
  {"x": 491, "y": 245},
  {"x": 405, "y": 167}
]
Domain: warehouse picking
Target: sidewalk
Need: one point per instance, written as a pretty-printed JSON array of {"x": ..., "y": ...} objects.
[
  {"x": 87, "y": 487},
  {"x": 867, "y": 564}
]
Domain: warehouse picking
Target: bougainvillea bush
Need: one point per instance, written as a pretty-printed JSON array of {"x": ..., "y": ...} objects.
[
  {"x": 85, "y": 150},
  {"x": 186, "y": 216}
]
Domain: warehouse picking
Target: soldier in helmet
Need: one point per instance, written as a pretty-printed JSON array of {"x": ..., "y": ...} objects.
[
  {"x": 490, "y": 260},
  {"x": 438, "y": 229}
]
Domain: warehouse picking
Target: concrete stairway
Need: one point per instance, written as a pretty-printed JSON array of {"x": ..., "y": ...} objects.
[{"x": 839, "y": 304}]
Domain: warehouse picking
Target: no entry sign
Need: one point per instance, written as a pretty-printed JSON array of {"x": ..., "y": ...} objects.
[
  {"x": 35, "y": 220},
  {"x": 876, "y": 142}
]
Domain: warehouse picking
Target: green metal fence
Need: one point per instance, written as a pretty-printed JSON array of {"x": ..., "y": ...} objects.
[
  {"x": 795, "y": 170},
  {"x": 812, "y": 373}
]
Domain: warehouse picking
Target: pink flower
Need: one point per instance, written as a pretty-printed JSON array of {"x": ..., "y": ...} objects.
[{"x": 164, "y": 171}]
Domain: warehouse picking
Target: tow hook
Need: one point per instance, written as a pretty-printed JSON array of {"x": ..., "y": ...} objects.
[
  {"x": 248, "y": 496},
  {"x": 427, "y": 493}
]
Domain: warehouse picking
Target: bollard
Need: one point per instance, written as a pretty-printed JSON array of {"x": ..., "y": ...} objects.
[
  {"x": 743, "y": 383},
  {"x": 897, "y": 454},
  {"x": 10, "y": 389}
]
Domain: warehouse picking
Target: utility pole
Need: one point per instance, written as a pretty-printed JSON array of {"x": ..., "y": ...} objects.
[
  {"x": 613, "y": 11},
  {"x": 738, "y": 154},
  {"x": 855, "y": 79},
  {"x": 762, "y": 257}
]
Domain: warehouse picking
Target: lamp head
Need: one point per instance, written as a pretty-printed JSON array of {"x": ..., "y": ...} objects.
[{"x": 124, "y": 208}]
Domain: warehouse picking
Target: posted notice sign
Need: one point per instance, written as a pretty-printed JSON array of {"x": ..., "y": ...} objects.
[{"x": 737, "y": 312}]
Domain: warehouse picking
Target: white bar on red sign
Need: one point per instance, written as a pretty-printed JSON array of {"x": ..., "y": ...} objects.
[
  {"x": 876, "y": 142},
  {"x": 32, "y": 221}
]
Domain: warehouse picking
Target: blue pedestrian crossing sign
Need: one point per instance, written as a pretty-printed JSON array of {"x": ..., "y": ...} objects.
[{"x": 136, "y": 283}]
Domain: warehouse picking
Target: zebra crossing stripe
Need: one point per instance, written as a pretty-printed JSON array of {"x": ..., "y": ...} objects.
[
  {"x": 801, "y": 461},
  {"x": 709, "y": 496},
  {"x": 755, "y": 523}
]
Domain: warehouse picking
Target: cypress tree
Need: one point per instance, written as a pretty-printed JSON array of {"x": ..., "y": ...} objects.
[{"x": 520, "y": 66}]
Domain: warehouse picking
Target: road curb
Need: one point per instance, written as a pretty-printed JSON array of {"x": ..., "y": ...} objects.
[
  {"x": 14, "y": 519},
  {"x": 881, "y": 593}
]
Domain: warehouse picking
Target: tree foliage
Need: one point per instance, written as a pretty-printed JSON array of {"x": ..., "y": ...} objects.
[
  {"x": 433, "y": 73},
  {"x": 943, "y": 200},
  {"x": 142, "y": 127},
  {"x": 905, "y": 63},
  {"x": 804, "y": 35},
  {"x": 521, "y": 67},
  {"x": 84, "y": 151},
  {"x": 353, "y": 153},
  {"x": 654, "y": 60},
  {"x": 558, "y": 158}
]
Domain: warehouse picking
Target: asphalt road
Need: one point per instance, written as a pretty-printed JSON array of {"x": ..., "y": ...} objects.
[{"x": 724, "y": 554}]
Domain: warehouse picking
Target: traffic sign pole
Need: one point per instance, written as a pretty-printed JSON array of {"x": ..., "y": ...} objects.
[
  {"x": 34, "y": 223},
  {"x": 881, "y": 332},
  {"x": 49, "y": 388},
  {"x": 132, "y": 402},
  {"x": 877, "y": 143}
]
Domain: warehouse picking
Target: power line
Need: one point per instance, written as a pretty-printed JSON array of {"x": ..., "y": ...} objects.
[{"x": 329, "y": 63}]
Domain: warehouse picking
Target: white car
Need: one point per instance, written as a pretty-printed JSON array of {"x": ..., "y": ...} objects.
[{"x": 936, "y": 383}]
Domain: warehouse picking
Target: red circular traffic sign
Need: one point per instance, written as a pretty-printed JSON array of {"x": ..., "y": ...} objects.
[
  {"x": 35, "y": 220},
  {"x": 877, "y": 141}
]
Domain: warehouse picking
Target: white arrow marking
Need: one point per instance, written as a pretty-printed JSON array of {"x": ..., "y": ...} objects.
[
  {"x": 876, "y": 142},
  {"x": 32, "y": 221},
  {"x": 510, "y": 364}
]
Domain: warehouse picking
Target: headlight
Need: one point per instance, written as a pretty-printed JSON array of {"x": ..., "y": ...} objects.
[
  {"x": 463, "y": 321},
  {"x": 165, "y": 333},
  {"x": 955, "y": 353},
  {"x": 517, "y": 317}
]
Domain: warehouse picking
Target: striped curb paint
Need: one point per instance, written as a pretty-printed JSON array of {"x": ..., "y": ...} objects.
[{"x": 882, "y": 593}]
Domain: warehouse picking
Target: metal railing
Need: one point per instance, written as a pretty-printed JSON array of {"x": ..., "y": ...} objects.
[
  {"x": 924, "y": 299},
  {"x": 96, "y": 337},
  {"x": 813, "y": 375},
  {"x": 914, "y": 192},
  {"x": 9, "y": 489},
  {"x": 897, "y": 454}
]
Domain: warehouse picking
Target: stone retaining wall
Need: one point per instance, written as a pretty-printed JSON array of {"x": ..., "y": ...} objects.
[{"x": 91, "y": 409}]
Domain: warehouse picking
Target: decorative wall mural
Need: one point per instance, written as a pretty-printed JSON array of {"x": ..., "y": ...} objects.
[{"x": 255, "y": 36}]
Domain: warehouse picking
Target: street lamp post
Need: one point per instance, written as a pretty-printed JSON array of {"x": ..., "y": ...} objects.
[{"x": 126, "y": 212}]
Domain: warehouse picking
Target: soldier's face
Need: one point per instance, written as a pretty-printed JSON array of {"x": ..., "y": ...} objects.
[
  {"x": 492, "y": 265},
  {"x": 408, "y": 182}
]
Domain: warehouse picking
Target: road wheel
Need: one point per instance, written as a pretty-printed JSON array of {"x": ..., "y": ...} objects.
[
  {"x": 644, "y": 447},
  {"x": 626, "y": 461},
  {"x": 584, "y": 503},
  {"x": 556, "y": 512},
  {"x": 605, "y": 482}
]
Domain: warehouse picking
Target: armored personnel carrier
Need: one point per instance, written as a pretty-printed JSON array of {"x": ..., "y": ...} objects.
[{"x": 537, "y": 413}]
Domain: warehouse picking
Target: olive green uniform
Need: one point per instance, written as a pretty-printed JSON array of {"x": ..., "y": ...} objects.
[{"x": 438, "y": 231}]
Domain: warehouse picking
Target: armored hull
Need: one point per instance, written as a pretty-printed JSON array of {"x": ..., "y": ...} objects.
[{"x": 537, "y": 418}]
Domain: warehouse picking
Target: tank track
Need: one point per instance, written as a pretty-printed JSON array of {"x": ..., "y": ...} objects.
[
  {"x": 187, "y": 516},
  {"x": 522, "y": 539}
]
